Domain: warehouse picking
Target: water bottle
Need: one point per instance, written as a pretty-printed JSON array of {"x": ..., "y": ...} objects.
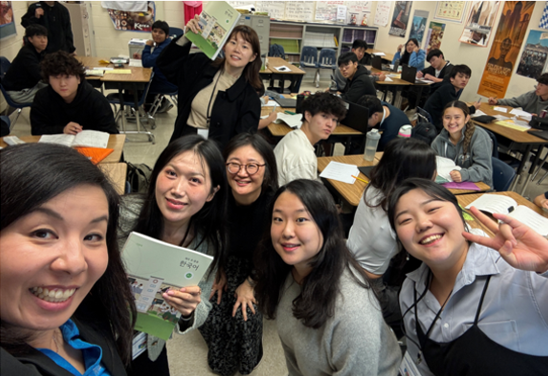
[{"x": 371, "y": 143}]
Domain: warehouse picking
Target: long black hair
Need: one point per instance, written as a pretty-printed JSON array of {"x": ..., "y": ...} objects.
[
  {"x": 209, "y": 221},
  {"x": 406, "y": 55},
  {"x": 403, "y": 158},
  {"x": 33, "y": 174},
  {"x": 316, "y": 303}
]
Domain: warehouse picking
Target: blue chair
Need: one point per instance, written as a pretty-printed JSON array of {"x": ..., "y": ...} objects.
[
  {"x": 4, "y": 66},
  {"x": 174, "y": 32},
  {"x": 327, "y": 60},
  {"x": 424, "y": 115},
  {"x": 503, "y": 175},
  {"x": 309, "y": 58},
  {"x": 276, "y": 50}
]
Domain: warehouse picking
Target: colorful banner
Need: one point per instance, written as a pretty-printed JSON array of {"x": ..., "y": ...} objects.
[
  {"x": 434, "y": 36},
  {"x": 7, "y": 26},
  {"x": 504, "y": 51},
  {"x": 533, "y": 58},
  {"x": 134, "y": 21},
  {"x": 418, "y": 26},
  {"x": 480, "y": 23},
  {"x": 400, "y": 18},
  {"x": 543, "y": 24},
  {"x": 450, "y": 11}
]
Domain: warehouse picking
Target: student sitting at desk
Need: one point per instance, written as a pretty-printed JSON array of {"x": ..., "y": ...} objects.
[
  {"x": 449, "y": 91},
  {"x": 295, "y": 155},
  {"x": 412, "y": 55},
  {"x": 358, "y": 82},
  {"x": 217, "y": 99},
  {"x": 533, "y": 101},
  {"x": 359, "y": 46},
  {"x": 470, "y": 147},
  {"x": 437, "y": 70},
  {"x": 70, "y": 104},
  {"x": 389, "y": 118},
  {"x": 153, "y": 48},
  {"x": 23, "y": 80}
]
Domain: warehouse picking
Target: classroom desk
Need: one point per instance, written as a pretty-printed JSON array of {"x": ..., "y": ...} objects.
[
  {"x": 116, "y": 173},
  {"x": 387, "y": 56},
  {"x": 465, "y": 200},
  {"x": 115, "y": 141},
  {"x": 513, "y": 140},
  {"x": 295, "y": 75},
  {"x": 397, "y": 84}
]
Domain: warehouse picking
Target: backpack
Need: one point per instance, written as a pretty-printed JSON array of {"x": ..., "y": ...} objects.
[
  {"x": 138, "y": 176},
  {"x": 426, "y": 132}
]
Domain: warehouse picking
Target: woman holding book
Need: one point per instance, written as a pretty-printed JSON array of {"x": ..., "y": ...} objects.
[
  {"x": 328, "y": 318},
  {"x": 218, "y": 98},
  {"x": 65, "y": 303},
  {"x": 468, "y": 303},
  {"x": 467, "y": 145},
  {"x": 185, "y": 205}
]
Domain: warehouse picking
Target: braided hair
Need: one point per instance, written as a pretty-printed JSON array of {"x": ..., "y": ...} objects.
[{"x": 470, "y": 126}]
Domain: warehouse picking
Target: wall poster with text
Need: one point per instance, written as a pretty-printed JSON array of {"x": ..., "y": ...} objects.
[
  {"x": 134, "y": 21},
  {"x": 450, "y": 11},
  {"x": 504, "y": 51},
  {"x": 434, "y": 36},
  {"x": 7, "y": 25},
  {"x": 533, "y": 57},
  {"x": 400, "y": 18},
  {"x": 480, "y": 23}
]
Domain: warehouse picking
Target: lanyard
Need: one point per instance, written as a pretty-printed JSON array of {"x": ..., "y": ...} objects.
[{"x": 208, "y": 112}]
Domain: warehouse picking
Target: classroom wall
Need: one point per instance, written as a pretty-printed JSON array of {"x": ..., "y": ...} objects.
[{"x": 461, "y": 53}]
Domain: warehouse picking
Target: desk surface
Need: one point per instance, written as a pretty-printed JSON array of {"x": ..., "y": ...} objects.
[
  {"x": 117, "y": 173},
  {"x": 387, "y": 56},
  {"x": 278, "y": 62},
  {"x": 509, "y": 133},
  {"x": 395, "y": 81},
  {"x": 115, "y": 141},
  {"x": 138, "y": 74}
]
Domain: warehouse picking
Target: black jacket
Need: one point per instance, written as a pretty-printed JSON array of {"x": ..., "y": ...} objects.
[
  {"x": 360, "y": 85},
  {"x": 35, "y": 363},
  {"x": 439, "y": 99},
  {"x": 444, "y": 74},
  {"x": 234, "y": 111},
  {"x": 50, "y": 113},
  {"x": 57, "y": 20},
  {"x": 24, "y": 71}
]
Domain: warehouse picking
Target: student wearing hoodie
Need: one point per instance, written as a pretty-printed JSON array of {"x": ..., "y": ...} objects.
[
  {"x": 70, "y": 104},
  {"x": 533, "y": 101},
  {"x": 469, "y": 146},
  {"x": 358, "y": 82}
]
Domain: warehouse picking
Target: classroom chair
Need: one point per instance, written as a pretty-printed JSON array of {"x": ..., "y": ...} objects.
[
  {"x": 158, "y": 99},
  {"x": 424, "y": 115},
  {"x": 309, "y": 59},
  {"x": 503, "y": 175},
  {"x": 4, "y": 66},
  {"x": 174, "y": 32},
  {"x": 276, "y": 50},
  {"x": 327, "y": 60}
]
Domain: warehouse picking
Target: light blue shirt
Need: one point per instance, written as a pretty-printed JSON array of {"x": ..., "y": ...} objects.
[
  {"x": 92, "y": 353},
  {"x": 514, "y": 312},
  {"x": 415, "y": 60}
]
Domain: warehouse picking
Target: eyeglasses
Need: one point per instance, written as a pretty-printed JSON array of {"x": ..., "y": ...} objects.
[{"x": 251, "y": 168}]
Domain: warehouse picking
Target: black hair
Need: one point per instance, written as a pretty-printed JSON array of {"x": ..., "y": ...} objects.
[
  {"x": 61, "y": 62},
  {"x": 404, "y": 58},
  {"x": 261, "y": 90},
  {"x": 30, "y": 176},
  {"x": 434, "y": 53},
  {"x": 347, "y": 57},
  {"x": 326, "y": 103},
  {"x": 359, "y": 43},
  {"x": 543, "y": 79},
  {"x": 161, "y": 25},
  {"x": 209, "y": 221},
  {"x": 403, "y": 158},
  {"x": 460, "y": 68},
  {"x": 320, "y": 288},
  {"x": 261, "y": 146},
  {"x": 372, "y": 103},
  {"x": 35, "y": 29}
]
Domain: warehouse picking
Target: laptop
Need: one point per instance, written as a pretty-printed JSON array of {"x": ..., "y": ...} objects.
[
  {"x": 366, "y": 170},
  {"x": 283, "y": 102},
  {"x": 356, "y": 117},
  {"x": 408, "y": 73}
]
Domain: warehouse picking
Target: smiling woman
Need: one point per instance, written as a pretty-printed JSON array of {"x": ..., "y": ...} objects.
[{"x": 64, "y": 296}]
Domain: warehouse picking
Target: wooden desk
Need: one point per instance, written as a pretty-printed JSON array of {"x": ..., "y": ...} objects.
[
  {"x": 115, "y": 141},
  {"x": 397, "y": 84},
  {"x": 387, "y": 56},
  {"x": 138, "y": 74},
  {"x": 117, "y": 174},
  {"x": 295, "y": 75}
]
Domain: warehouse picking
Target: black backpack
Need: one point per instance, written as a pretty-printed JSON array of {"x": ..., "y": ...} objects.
[
  {"x": 138, "y": 176},
  {"x": 426, "y": 132}
]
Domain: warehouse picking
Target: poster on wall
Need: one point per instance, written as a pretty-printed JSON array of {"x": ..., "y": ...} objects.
[
  {"x": 400, "y": 18},
  {"x": 533, "y": 57},
  {"x": 452, "y": 11},
  {"x": 358, "y": 11},
  {"x": 7, "y": 25},
  {"x": 543, "y": 24},
  {"x": 506, "y": 45},
  {"x": 382, "y": 13},
  {"x": 134, "y": 21},
  {"x": 327, "y": 10},
  {"x": 418, "y": 26},
  {"x": 480, "y": 23},
  {"x": 434, "y": 36}
]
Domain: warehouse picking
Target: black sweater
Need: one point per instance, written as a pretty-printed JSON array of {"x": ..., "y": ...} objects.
[
  {"x": 24, "y": 71},
  {"x": 439, "y": 99},
  {"x": 50, "y": 113},
  {"x": 234, "y": 111},
  {"x": 57, "y": 20},
  {"x": 361, "y": 84}
]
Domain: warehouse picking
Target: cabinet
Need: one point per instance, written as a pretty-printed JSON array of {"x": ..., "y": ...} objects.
[{"x": 261, "y": 24}]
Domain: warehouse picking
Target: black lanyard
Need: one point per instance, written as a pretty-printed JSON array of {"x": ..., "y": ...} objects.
[{"x": 208, "y": 112}]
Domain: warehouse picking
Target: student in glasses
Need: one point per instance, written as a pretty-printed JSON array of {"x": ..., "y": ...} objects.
[{"x": 234, "y": 328}]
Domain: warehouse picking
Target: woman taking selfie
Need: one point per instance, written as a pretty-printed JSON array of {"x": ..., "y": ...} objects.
[{"x": 65, "y": 303}]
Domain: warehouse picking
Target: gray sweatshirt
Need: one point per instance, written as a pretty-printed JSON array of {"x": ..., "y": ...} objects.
[
  {"x": 529, "y": 102},
  {"x": 476, "y": 165},
  {"x": 355, "y": 341}
]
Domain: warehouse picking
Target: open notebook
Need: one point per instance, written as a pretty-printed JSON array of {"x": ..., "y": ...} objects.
[{"x": 87, "y": 138}]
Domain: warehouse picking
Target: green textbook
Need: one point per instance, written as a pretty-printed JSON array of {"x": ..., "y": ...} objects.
[{"x": 217, "y": 21}]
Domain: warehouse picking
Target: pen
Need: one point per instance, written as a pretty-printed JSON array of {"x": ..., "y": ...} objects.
[
  {"x": 276, "y": 105},
  {"x": 355, "y": 177}
]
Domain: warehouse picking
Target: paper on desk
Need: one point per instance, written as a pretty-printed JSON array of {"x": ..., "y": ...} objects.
[
  {"x": 294, "y": 121},
  {"x": 395, "y": 75},
  {"x": 135, "y": 63},
  {"x": 512, "y": 124},
  {"x": 340, "y": 172},
  {"x": 379, "y": 54},
  {"x": 119, "y": 71},
  {"x": 388, "y": 79},
  {"x": 283, "y": 68},
  {"x": 270, "y": 103},
  {"x": 521, "y": 113},
  {"x": 94, "y": 72},
  {"x": 102, "y": 68},
  {"x": 478, "y": 113},
  {"x": 501, "y": 117},
  {"x": 500, "y": 109}
]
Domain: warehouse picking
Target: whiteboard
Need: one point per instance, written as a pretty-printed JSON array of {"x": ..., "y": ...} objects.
[{"x": 275, "y": 9}]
